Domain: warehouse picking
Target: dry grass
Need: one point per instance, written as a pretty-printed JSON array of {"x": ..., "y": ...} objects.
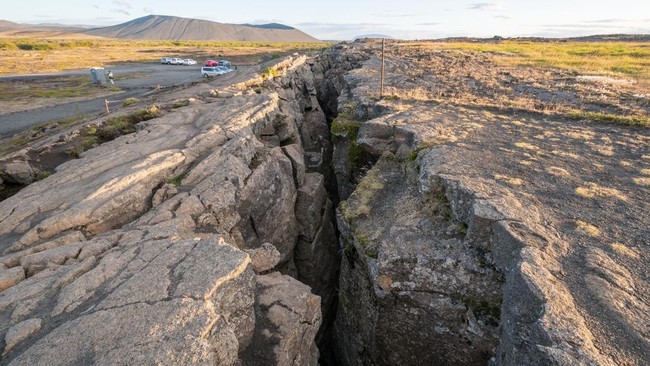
[
  {"x": 24, "y": 55},
  {"x": 587, "y": 229},
  {"x": 621, "y": 59},
  {"x": 594, "y": 190}
]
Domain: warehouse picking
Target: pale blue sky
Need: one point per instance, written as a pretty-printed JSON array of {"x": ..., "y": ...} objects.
[{"x": 344, "y": 19}]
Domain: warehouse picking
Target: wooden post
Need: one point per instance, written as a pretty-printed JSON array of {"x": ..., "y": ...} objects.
[
  {"x": 108, "y": 111},
  {"x": 381, "y": 91}
]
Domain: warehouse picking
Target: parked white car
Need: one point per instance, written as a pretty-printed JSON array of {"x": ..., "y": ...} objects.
[
  {"x": 211, "y": 71},
  {"x": 189, "y": 62},
  {"x": 177, "y": 61},
  {"x": 166, "y": 60}
]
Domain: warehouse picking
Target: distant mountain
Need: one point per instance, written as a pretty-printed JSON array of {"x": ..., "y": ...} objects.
[
  {"x": 64, "y": 26},
  {"x": 5, "y": 24},
  {"x": 11, "y": 29},
  {"x": 161, "y": 27},
  {"x": 372, "y": 36}
]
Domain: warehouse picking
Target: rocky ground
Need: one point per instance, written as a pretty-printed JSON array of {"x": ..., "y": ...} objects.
[
  {"x": 493, "y": 227},
  {"x": 474, "y": 222},
  {"x": 160, "y": 246}
]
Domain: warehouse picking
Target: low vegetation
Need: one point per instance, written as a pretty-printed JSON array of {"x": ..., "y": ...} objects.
[
  {"x": 643, "y": 121},
  {"x": 627, "y": 59},
  {"x": 270, "y": 73},
  {"x": 346, "y": 126},
  {"x": 130, "y": 101},
  {"x": 92, "y": 135},
  {"x": 176, "y": 181}
]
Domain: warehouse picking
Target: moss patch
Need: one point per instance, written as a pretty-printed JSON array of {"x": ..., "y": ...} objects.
[
  {"x": 181, "y": 103},
  {"x": 177, "y": 180},
  {"x": 343, "y": 125},
  {"x": 359, "y": 202},
  {"x": 414, "y": 154},
  {"x": 112, "y": 128}
]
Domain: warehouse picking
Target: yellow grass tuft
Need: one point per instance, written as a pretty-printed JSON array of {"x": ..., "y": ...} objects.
[
  {"x": 623, "y": 250},
  {"x": 594, "y": 190},
  {"x": 525, "y": 145},
  {"x": 588, "y": 229},
  {"x": 509, "y": 180}
]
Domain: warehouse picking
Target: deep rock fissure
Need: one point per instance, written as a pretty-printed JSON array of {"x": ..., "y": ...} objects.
[{"x": 389, "y": 311}]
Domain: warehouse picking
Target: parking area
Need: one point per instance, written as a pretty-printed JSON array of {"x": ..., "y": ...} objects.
[{"x": 133, "y": 79}]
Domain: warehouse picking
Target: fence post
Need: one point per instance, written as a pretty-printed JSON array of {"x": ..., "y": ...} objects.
[
  {"x": 381, "y": 91},
  {"x": 108, "y": 111}
]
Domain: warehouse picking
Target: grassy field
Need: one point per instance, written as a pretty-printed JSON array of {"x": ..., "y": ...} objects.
[
  {"x": 29, "y": 56},
  {"x": 619, "y": 59}
]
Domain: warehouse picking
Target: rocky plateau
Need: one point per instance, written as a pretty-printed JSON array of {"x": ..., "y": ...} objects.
[{"x": 300, "y": 219}]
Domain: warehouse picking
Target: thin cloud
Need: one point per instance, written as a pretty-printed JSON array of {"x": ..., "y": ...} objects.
[
  {"x": 122, "y": 3},
  {"x": 502, "y": 17},
  {"x": 148, "y": 10},
  {"x": 606, "y": 21},
  {"x": 122, "y": 11},
  {"x": 396, "y": 15},
  {"x": 428, "y": 24},
  {"x": 96, "y": 6},
  {"x": 487, "y": 6},
  {"x": 582, "y": 26}
]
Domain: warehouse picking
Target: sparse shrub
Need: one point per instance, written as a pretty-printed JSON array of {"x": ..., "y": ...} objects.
[
  {"x": 270, "y": 73},
  {"x": 130, "y": 101},
  {"x": 84, "y": 144},
  {"x": 414, "y": 154},
  {"x": 42, "y": 174},
  {"x": 177, "y": 180},
  {"x": 349, "y": 128},
  {"x": 90, "y": 130},
  {"x": 181, "y": 103},
  {"x": 125, "y": 124}
]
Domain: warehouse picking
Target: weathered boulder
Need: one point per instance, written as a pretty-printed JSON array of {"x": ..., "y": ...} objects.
[
  {"x": 264, "y": 258},
  {"x": 10, "y": 276},
  {"x": 20, "y": 332},
  {"x": 17, "y": 171},
  {"x": 288, "y": 318}
]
